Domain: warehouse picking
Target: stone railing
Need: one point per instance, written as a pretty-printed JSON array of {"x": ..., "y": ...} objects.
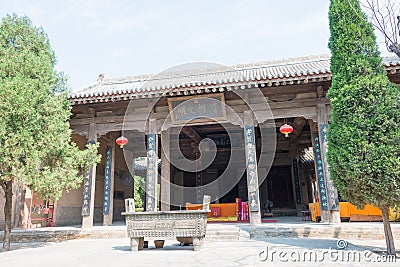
[{"x": 168, "y": 224}]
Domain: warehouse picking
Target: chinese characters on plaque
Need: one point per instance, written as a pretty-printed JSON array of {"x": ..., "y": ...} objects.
[
  {"x": 197, "y": 108},
  {"x": 87, "y": 190},
  {"x": 297, "y": 181},
  {"x": 320, "y": 173},
  {"x": 152, "y": 168},
  {"x": 333, "y": 198},
  {"x": 251, "y": 162},
  {"x": 107, "y": 181}
]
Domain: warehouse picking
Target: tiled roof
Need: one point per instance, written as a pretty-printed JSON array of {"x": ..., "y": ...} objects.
[{"x": 273, "y": 73}]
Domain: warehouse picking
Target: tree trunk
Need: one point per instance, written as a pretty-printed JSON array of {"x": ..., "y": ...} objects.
[
  {"x": 7, "y": 213},
  {"x": 390, "y": 249}
]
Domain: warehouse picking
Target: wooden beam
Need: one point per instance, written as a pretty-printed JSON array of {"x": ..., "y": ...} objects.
[
  {"x": 140, "y": 113},
  {"x": 320, "y": 91},
  {"x": 165, "y": 187},
  {"x": 298, "y": 126},
  {"x": 192, "y": 134}
]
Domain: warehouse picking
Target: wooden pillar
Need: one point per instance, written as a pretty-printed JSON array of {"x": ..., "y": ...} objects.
[
  {"x": 296, "y": 184},
  {"x": 319, "y": 174},
  {"x": 251, "y": 167},
  {"x": 165, "y": 172},
  {"x": 152, "y": 166},
  {"x": 199, "y": 178},
  {"x": 108, "y": 203},
  {"x": 241, "y": 184},
  {"x": 25, "y": 212},
  {"x": 178, "y": 193},
  {"x": 133, "y": 175},
  {"x": 89, "y": 185},
  {"x": 304, "y": 185},
  {"x": 130, "y": 158},
  {"x": 19, "y": 205},
  {"x": 263, "y": 190},
  {"x": 331, "y": 192}
]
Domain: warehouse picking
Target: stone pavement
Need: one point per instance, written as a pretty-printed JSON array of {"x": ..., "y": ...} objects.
[
  {"x": 269, "y": 252},
  {"x": 289, "y": 241}
]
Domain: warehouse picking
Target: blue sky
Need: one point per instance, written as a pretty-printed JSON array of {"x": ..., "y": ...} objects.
[{"x": 123, "y": 38}]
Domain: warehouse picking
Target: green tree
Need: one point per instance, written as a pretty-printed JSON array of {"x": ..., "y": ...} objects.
[
  {"x": 364, "y": 133},
  {"x": 138, "y": 192},
  {"x": 35, "y": 138}
]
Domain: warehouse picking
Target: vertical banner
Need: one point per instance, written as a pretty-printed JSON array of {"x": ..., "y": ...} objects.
[
  {"x": 199, "y": 191},
  {"x": 152, "y": 167},
  {"x": 333, "y": 198},
  {"x": 251, "y": 163},
  {"x": 320, "y": 173},
  {"x": 107, "y": 181},
  {"x": 87, "y": 189},
  {"x": 297, "y": 181}
]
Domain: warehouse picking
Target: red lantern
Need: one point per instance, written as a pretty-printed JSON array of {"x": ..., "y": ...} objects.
[
  {"x": 286, "y": 129},
  {"x": 121, "y": 141}
]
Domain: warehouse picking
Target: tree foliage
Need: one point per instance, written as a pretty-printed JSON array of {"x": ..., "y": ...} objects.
[
  {"x": 35, "y": 137},
  {"x": 364, "y": 134},
  {"x": 139, "y": 192}
]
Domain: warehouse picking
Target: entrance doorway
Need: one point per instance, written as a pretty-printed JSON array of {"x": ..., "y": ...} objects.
[
  {"x": 279, "y": 186},
  {"x": 217, "y": 178}
]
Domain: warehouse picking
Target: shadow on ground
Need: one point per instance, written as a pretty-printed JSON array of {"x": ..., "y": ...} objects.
[
  {"x": 19, "y": 246},
  {"x": 174, "y": 246}
]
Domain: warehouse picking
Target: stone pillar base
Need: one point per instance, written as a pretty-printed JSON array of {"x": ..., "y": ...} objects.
[
  {"x": 255, "y": 218},
  {"x": 325, "y": 215},
  {"x": 107, "y": 219},
  {"x": 198, "y": 243},
  {"x": 299, "y": 208},
  {"x": 87, "y": 221},
  {"x": 334, "y": 216}
]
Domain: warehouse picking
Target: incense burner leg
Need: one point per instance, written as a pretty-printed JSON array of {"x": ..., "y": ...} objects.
[{"x": 198, "y": 243}]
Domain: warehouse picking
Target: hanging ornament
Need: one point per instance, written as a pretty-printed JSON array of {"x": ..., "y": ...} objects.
[
  {"x": 121, "y": 141},
  {"x": 286, "y": 129}
]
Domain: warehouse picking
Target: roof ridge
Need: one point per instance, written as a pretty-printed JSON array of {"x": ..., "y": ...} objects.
[
  {"x": 284, "y": 61},
  {"x": 216, "y": 69}
]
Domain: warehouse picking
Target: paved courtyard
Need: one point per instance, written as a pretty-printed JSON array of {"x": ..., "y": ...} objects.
[
  {"x": 270, "y": 244},
  {"x": 269, "y": 252}
]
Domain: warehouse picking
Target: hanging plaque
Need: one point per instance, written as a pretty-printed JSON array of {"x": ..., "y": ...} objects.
[
  {"x": 152, "y": 174},
  {"x": 197, "y": 108},
  {"x": 107, "y": 181},
  {"x": 320, "y": 173},
  {"x": 251, "y": 162},
  {"x": 87, "y": 188},
  {"x": 297, "y": 181},
  {"x": 332, "y": 194}
]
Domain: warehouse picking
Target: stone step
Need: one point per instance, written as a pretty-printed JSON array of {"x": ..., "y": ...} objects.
[
  {"x": 44, "y": 235},
  {"x": 217, "y": 232},
  {"x": 367, "y": 233},
  {"x": 284, "y": 212},
  {"x": 228, "y": 234},
  {"x": 223, "y": 238},
  {"x": 27, "y": 236}
]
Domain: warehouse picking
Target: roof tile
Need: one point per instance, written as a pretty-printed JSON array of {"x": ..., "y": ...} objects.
[{"x": 273, "y": 73}]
